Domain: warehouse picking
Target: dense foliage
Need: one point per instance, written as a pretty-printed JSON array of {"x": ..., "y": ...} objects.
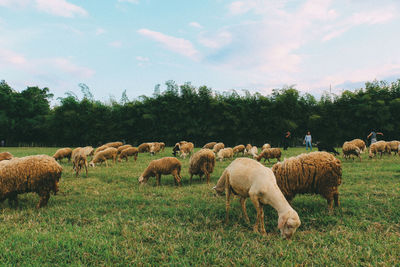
[{"x": 198, "y": 114}]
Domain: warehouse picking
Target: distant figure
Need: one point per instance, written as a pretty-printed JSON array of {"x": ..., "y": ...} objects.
[
  {"x": 286, "y": 140},
  {"x": 373, "y": 135},
  {"x": 3, "y": 143},
  {"x": 307, "y": 140}
]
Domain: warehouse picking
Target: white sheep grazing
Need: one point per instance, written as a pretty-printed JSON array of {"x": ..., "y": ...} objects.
[
  {"x": 253, "y": 151},
  {"x": 225, "y": 153},
  {"x": 266, "y": 145},
  {"x": 248, "y": 178}
]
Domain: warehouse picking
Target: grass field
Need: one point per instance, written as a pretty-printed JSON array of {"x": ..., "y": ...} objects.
[{"x": 108, "y": 219}]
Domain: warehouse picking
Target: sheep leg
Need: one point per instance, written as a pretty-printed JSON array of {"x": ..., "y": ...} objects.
[
  {"x": 191, "y": 176},
  {"x": 204, "y": 170},
  {"x": 262, "y": 223},
  {"x": 158, "y": 179},
  {"x": 336, "y": 199},
  {"x": 86, "y": 168},
  {"x": 227, "y": 205},
  {"x": 256, "y": 204},
  {"x": 243, "y": 204},
  {"x": 135, "y": 157},
  {"x": 44, "y": 198}
]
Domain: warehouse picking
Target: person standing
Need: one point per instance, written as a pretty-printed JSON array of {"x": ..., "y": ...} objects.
[
  {"x": 373, "y": 135},
  {"x": 286, "y": 140},
  {"x": 307, "y": 140}
]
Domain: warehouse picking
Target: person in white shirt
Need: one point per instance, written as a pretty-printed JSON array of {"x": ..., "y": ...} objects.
[{"x": 307, "y": 140}]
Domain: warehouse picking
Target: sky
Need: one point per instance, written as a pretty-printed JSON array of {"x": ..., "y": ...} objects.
[{"x": 256, "y": 45}]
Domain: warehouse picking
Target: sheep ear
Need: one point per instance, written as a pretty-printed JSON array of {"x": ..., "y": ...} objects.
[{"x": 282, "y": 220}]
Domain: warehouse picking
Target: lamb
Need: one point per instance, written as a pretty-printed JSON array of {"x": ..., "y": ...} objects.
[
  {"x": 119, "y": 149},
  {"x": 155, "y": 148},
  {"x": 237, "y": 149},
  {"x": 269, "y": 153},
  {"x": 63, "y": 153},
  {"x": 378, "y": 147},
  {"x": 315, "y": 173},
  {"x": 114, "y": 144},
  {"x": 157, "y": 167},
  {"x": 225, "y": 153},
  {"x": 127, "y": 152},
  {"x": 210, "y": 145},
  {"x": 5, "y": 156},
  {"x": 186, "y": 148},
  {"x": 360, "y": 144},
  {"x": 248, "y": 178},
  {"x": 109, "y": 153},
  {"x": 322, "y": 146},
  {"x": 80, "y": 160},
  {"x": 394, "y": 146},
  {"x": 144, "y": 147},
  {"x": 39, "y": 174},
  {"x": 351, "y": 149},
  {"x": 202, "y": 163},
  {"x": 265, "y": 146},
  {"x": 218, "y": 147}
]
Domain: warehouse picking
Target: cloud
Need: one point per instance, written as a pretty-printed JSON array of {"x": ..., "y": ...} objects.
[
  {"x": 116, "y": 44},
  {"x": 14, "y": 3},
  {"x": 65, "y": 65},
  {"x": 174, "y": 44},
  {"x": 195, "y": 25},
  {"x": 60, "y": 8},
  {"x": 216, "y": 41},
  {"x": 100, "y": 31},
  {"x": 142, "y": 59},
  {"x": 8, "y": 57},
  {"x": 129, "y": 1}
]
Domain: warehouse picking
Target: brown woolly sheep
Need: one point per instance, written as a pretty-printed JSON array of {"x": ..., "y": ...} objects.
[
  {"x": 378, "y": 147},
  {"x": 101, "y": 148},
  {"x": 225, "y": 153},
  {"x": 269, "y": 153},
  {"x": 5, "y": 156},
  {"x": 202, "y": 163},
  {"x": 162, "y": 146},
  {"x": 114, "y": 144},
  {"x": 247, "y": 149},
  {"x": 265, "y": 146},
  {"x": 109, "y": 153},
  {"x": 315, "y": 173},
  {"x": 144, "y": 147},
  {"x": 63, "y": 153},
  {"x": 210, "y": 145},
  {"x": 157, "y": 167},
  {"x": 237, "y": 149},
  {"x": 155, "y": 148},
  {"x": 176, "y": 148},
  {"x": 248, "y": 178},
  {"x": 186, "y": 149},
  {"x": 351, "y": 149},
  {"x": 359, "y": 143},
  {"x": 122, "y": 148},
  {"x": 127, "y": 152},
  {"x": 218, "y": 147},
  {"x": 88, "y": 151},
  {"x": 394, "y": 146},
  {"x": 73, "y": 156},
  {"x": 39, "y": 174},
  {"x": 80, "y": 161}
]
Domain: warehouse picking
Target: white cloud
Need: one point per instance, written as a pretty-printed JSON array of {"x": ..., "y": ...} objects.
[
  {"x": 129, "y": 1},
  {"x": 60, "y": 8},
  {"x": 8, "y": 57},
  {"x": 14, "y": 3},
  {"x": 177, "y": 45},
  {"x": 116, "y": 44},
  {"x": 195, "y": 25},
  {"x": 142, "y": 59},
  {"x": 67, "y": 66},
  {"x": 100, "y": 31},
  {"x": 217, "y": 40}
]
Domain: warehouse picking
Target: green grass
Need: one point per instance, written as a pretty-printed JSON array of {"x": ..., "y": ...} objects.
[{"x": 108, "y": 219}]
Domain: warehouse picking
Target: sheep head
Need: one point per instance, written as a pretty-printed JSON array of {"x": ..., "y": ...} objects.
[{"x": 288, "y": 223}]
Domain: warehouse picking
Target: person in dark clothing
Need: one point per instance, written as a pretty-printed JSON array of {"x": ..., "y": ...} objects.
[{"x": 286, "y": 139}]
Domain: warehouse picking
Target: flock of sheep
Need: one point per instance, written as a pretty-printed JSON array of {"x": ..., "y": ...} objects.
[{"x": 315, "y": 173}]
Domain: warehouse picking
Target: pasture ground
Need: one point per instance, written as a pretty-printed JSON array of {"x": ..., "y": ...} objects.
[{"x": 108, "y": 219}]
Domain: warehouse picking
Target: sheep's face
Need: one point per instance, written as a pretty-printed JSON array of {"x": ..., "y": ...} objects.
[
  {"x": 91, "y": 164},
  {"x": 143, "y": 179},
  {"x": 288, "y": 224}
]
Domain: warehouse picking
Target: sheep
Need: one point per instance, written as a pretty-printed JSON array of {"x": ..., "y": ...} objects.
[
  {"x": 80, "y": 160},
  {"x": 239, "y": 148},
  {"x": 218, "y": 147},
  {"x": 359, "y": 143},
  {"x": 63, "y": 153},
  {"x": 39, "y": 174},
  {"x": 394, "y": 146},
  {"x": 247, "y": 149},
  {"x": 73, "y": 156},
  {"x": 5, "y": 156},
  {"x": 109, "y": 153},
  {"x": 210, "y": 145},
  {"x": 202, "y": 162},
  {"x": 378, "y": 147},
  {"x": 88, "y": 151},
  {"x": 315, "y": 173},
  {"x": 186, "y": 148},
  {"x": 253, "y": 151},
  {"x": 269, "y": 153},
  {"x": 248, "y": 178},
  {"x": 101, "y": 148},
  {"x": 322, "y": 146},
  {"x": 155, "y": 148},
  {"x": 176, "y": 148},
  {"x": 265, "y": 146},
  {"x": 130, "y": 151},
  {"x": 157, "y": 167},
  {"x": 144, "y": 147},
  {"x": 351, "y": 149},
  {"x": 114, "y": 144},
  {"x": 119, "y": 149},
  {"x": 162, "y": 146},
  {"x": 225, "y": 153}
]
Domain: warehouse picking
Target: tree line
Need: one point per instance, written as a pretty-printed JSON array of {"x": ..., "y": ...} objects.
[{"x": 198, "y": 114}]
